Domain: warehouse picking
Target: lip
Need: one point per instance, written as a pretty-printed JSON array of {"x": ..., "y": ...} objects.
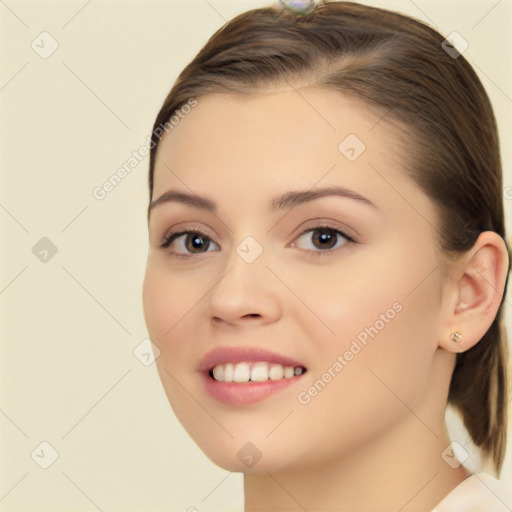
[{"x": 244, "y": 393}]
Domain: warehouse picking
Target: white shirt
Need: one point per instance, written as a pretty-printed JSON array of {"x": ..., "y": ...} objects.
[{"x": 478, "y": 493}]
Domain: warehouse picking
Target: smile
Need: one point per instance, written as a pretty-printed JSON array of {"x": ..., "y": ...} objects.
[{"x": 246, "y": 375}]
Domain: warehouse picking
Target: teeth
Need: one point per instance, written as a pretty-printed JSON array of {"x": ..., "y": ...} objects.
[
  {"x": 288, "y": 372},
  {"x": 228, "y": 373},
  {"x": 242, "y": 372},
  {"x": 254, "y": 372},
  {"x": 276, "y": 372},
  {"x": 218, "y": 372},
  {"x": 259, "y": 372}
]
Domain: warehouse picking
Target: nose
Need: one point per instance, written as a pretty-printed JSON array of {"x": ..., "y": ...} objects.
[{"x": 246, "y": 292}]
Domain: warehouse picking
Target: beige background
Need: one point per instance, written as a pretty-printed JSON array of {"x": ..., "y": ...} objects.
[{"x": 69, "y": 325}]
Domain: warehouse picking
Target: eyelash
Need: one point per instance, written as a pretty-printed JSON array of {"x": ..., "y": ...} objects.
[{"x": 177, "y": 234}]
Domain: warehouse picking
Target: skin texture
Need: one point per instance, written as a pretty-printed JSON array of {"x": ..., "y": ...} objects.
[{"x": 372, "y": 438}]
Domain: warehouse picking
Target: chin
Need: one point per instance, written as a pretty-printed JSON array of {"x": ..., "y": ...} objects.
[
  {"x": 242, "y": 456},
  {"x": 229, "y": 461}
]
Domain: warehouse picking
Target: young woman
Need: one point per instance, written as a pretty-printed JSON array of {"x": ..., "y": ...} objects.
[{"x": 327, "y": 263}]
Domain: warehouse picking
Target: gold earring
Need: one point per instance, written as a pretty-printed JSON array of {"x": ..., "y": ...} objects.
[{"x": 456, "y": 337}]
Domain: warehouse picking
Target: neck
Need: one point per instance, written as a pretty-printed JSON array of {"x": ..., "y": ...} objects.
[{"x": 401, "y": 470}]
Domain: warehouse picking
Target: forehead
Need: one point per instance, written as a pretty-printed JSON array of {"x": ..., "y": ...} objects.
[
  {"x": 229, "y": 145},
  {"x": 279, "y": 129}
]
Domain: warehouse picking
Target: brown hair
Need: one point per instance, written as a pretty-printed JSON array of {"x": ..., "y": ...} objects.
[{"x": 398, "y": 66}]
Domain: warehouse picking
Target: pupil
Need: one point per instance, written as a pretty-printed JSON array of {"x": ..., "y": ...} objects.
[
  {"x": 197, "y": 242},
  {"x": 327, "y": 236}
]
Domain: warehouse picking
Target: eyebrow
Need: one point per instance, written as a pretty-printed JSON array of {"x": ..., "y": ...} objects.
[{"x": 287, "y": 201}]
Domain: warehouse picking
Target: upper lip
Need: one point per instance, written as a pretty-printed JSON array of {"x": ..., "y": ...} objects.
[{"x": 222, "y": 355}]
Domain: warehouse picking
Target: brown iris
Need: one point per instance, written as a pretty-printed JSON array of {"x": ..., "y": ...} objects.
[
  {"x": 326, "y": 236},
  {"x": 196, "y": 241}
]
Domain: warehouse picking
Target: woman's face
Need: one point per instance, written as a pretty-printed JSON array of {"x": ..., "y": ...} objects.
[{"x": 360, "y": 312}]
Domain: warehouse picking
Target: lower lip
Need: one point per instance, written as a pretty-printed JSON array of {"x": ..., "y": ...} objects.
[{"x": 244, "y": 393}]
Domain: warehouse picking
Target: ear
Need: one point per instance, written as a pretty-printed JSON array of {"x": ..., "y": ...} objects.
[{"x": 472, "y": 292}]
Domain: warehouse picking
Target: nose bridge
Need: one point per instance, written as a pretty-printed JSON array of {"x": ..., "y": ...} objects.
[
  {"x": 245, "y": 287},
  {"x": 244, "y": 268},
  {"x": 249, "y": 250}
]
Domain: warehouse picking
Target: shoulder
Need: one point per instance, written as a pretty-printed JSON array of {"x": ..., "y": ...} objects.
[{"x": 478, "y": 493}]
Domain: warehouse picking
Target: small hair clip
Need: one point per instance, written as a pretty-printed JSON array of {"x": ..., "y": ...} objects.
[{"x": 298, "y": 7}]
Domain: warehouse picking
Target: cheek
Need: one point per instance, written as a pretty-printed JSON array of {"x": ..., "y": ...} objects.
[
  {"x": 378, "y": 381},
  {"x": 165, "y": 302},
  {"x": 343, "y": 302},
  {"x": 389, "y": 292},
  {"x": 165, "y": 312},
  {"x": 156, "y": 302},
  {"x": 383, "y": 321}
]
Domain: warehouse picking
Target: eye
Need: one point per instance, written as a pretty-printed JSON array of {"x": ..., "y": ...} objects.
[
  {"x": 324, "y": 240},
  {"x": 190, "y": 241}
]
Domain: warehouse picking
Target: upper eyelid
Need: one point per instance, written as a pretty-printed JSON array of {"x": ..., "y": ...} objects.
[
  {"x": 327, "y": 223},
  {"x": 178, "y": 233}
]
